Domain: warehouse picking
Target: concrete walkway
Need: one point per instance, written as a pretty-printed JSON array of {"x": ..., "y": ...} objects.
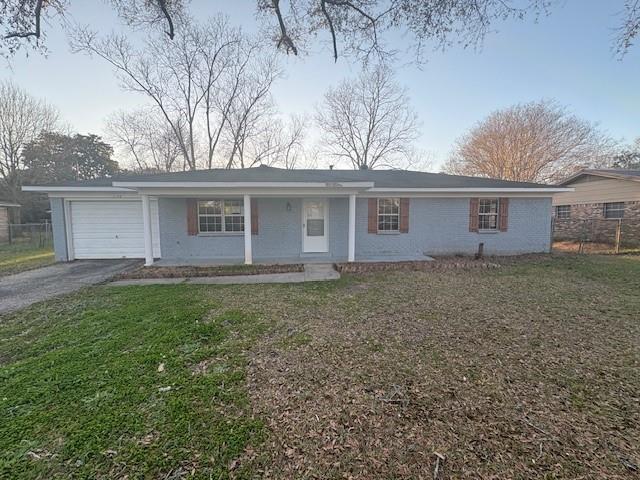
[
  {"x": 23, "y": 289},
  {"x": 312, "y": 273}
]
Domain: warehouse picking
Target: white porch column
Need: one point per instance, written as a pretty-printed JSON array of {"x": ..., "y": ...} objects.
[
  {"x": 352, "y": 228},
  {"x": 146, "y": 223},
  {"x": 248, "y": 256}
]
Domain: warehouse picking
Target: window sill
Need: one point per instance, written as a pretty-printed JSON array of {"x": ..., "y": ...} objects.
[
  {"x": 388, "y": 232},
  {"x": 489, "y": 231},
  {"x": 221, "y": 234}
]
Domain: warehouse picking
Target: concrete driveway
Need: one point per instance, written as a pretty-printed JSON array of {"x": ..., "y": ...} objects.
[{"x": 23, "y": 289}]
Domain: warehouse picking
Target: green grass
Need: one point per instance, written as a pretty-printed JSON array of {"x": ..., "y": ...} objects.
[
  {"x": 483, "y": 362},
  {"x": 20, "y": 257},
  {"x": 81, "y": 395}
]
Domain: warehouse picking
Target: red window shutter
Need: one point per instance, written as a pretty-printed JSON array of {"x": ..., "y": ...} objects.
[
  {"x": 254, "y": 216},
  {"x": 373, "y": 215},
  {"x": 474, "y": 210},
  {"x": 192, "y": 216},
  {"x": 503, "y": 214},
  {"x": 404, "y": 215}
]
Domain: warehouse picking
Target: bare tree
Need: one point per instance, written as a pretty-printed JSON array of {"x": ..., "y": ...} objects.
[
  {"x": 252, "y": 107},
  {"x": 360, "y": 27},
  {"x": 280, "y": 143},
  {"x": 22, "y": 119},
  {"x": 368, "y": 121},
  {"x": 148, "y": 141},
  {"x": 194, "y": 81},
  {"x": 531, "y": 142}
]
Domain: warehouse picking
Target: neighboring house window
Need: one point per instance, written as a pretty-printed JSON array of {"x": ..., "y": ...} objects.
[
  {"x": 388, "y": 214},
  {"x": 488, "y": 214},
  {"x": 614, "y": 210},
  {"x": 221, "y": 216},
  {"x": 563, "y": 212}
]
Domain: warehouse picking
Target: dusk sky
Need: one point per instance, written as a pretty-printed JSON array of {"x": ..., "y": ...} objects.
[{"x": 566, "y": 57}]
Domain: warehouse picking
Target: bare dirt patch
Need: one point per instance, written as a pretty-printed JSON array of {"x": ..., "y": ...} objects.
[{"x": 527, "y": 371}]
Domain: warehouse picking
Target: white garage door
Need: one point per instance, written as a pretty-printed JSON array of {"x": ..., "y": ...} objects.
[{"x": 111, "y": 229}]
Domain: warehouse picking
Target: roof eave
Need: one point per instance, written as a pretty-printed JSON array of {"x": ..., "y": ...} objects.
[
  {"x": 136, "y": 185},
  {"x": 475, "y": 190},
  {"x": 617, "y": 176},
  {"x": 62, "y": 188}
]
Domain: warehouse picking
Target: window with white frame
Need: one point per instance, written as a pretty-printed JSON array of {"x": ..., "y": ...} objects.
[
  {"x": 488, "y": 214},
  {"x": 221, "y": 216},
  {"x": 388, "y": 214},
  {"x": 563, "y": 212},
  {"x": 614, "y": 210}
]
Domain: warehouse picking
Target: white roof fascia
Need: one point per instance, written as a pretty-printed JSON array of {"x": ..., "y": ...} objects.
[
  {"x": 47, "y": 189},
  {"x": 475, "y": 190},
  {"x": 244, "y": 184}
]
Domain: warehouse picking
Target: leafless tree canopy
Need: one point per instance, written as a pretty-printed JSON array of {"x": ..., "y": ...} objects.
[
  {"x": 532, "y": 142},
  {"x": 359, "y": 27},
  {"x": 22, "y": 119},
  {"x": 146, "y": 140},
  {"x": 368, "y": 121},
  {"x": 281, "y": 143},
  {"x": 208, "y": 84}
]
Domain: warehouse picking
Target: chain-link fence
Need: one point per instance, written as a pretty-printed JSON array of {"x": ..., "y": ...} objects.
[
  {"x": 596, "y": 235},
  {"x": 38, "y": 235}
]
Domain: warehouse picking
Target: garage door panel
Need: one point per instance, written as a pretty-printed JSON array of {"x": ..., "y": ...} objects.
[{"x": 111, "y": 229}]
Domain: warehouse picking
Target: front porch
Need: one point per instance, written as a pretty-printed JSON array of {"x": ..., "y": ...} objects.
[
  {"x": 215, "y": 262},
  {"x": 214, "y": 230}
]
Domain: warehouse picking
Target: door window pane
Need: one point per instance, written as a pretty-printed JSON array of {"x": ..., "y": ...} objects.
[{"x": 315, "y": 227}]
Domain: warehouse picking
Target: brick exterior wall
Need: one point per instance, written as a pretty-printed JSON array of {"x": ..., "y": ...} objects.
[
  {"x": 437, "y": 226},
  {"x": 587, "y": 223}
]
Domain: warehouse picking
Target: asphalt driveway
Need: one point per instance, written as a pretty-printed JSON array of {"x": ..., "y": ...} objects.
[{"x": 23, "y": 289}]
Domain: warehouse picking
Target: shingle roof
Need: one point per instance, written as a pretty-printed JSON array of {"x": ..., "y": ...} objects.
[
  {"x": 621, "y": 173},
  {"x": 380, "y": 178}
]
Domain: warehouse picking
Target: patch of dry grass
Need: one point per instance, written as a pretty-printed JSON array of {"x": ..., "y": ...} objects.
[
  {"x": 592, "y": 247},
  {"x": 527, "y": 371}
]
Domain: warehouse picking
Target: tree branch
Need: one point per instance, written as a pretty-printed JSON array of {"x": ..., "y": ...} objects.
[
  {"x": 36, "y": 33},
  {"x": 323, "y": 5},
  {"x": 284, "y": 36},
  {"x": 165, "y": 11}
]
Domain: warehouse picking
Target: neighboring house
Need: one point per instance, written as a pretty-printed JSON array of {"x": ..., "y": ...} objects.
[
  {"x": 5, "y": 220},
  {"x": 600, "y": 200},
  {"x": 266, "y": 214}
]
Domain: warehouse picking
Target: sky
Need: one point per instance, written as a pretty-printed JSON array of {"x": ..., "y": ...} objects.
[{"x": 566, "y": 56}]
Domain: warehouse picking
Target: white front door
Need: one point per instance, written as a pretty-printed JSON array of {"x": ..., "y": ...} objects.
[{"x": 314, "y": 225}]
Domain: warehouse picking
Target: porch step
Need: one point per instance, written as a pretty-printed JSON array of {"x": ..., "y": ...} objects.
[{"x": 314, "y": 272}]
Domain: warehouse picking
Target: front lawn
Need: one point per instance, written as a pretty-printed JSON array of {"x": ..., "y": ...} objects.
[
  {"x": 531, "y": 370},
  {"x": 17, "y": 258},
  {"x": 126, "y": 382}
]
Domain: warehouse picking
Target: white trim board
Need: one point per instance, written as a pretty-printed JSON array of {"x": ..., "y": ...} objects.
[
  {"x": 474, "y": 190},
  {"x": 244, "y": 184},
  {"x": 45, "y": 188}
]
